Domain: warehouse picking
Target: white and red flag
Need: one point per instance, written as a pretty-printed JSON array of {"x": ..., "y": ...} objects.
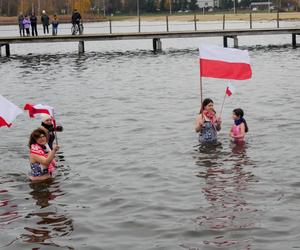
[
  {"x": 225, "y": 63},
  {"x": 230, "y": 89},
  {"x": 8, "y": 112},
  {"x": 34, "y": 109}
]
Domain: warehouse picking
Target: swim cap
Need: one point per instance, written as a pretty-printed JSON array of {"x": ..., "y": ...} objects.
[{"x": 45, "y": 117}]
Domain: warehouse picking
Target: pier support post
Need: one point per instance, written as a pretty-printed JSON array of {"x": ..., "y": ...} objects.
[
  {"x": 294, "y": 40},
  {"x": 235, "y": 42},
  {"x": 156, "y": 45},
  {"x": 81, "y": 47},
  {"x": 7, "y": 49},
  {"x": 225, "y": 42}
]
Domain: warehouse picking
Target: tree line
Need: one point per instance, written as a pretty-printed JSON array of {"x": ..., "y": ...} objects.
[{"x": 107, "y": 7}]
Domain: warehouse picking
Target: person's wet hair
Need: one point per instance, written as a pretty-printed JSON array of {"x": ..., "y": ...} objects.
[
  {"x": 205, "y": 102},
  {"x": 35, "y": 135},
  {"x": 240, "y": 113}
]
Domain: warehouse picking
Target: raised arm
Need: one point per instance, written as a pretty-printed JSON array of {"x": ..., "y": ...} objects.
[{"x": 45, "y": 161}]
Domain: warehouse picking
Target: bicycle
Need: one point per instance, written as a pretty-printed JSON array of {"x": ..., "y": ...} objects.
[{"x": 77, "y": 29}]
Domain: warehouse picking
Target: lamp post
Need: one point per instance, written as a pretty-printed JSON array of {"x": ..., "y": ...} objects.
[
  {"x": 39, "y": 7},
  {"x": 234, "y": 9},
  {"x": 104, "y": 11},
  {"x": 138, "y": 8}
]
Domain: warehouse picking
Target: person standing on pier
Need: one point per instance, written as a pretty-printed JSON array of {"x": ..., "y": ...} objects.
[
  {"x": 76, "y": 19},
  {"x": 45, "y": 21},
  {"x": 21, "y": 25},
  {"x": 54, "y": 25},
  {"x": 33, "y": 21},
  {"x": 26, "y": 23}
]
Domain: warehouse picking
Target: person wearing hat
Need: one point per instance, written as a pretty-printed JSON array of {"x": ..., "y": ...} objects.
[
  {"x": 48, "y": 125},
  {"x": 45, "y": 21}
]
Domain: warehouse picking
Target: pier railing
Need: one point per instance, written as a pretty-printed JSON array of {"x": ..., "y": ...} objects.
[{"x": 136, "y": 29}]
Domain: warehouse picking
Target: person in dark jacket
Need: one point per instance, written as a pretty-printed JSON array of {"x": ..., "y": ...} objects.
[
  {"x": 47, "y": 125},
  {"x": 45, "y": 21},
  {"x": 33, "y": 21},
  {"x": 76, "y": 19},
  {"x": 21, "y": 25}
]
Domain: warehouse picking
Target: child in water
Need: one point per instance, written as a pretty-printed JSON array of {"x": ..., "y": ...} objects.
[{"x": 240, "y": 127}]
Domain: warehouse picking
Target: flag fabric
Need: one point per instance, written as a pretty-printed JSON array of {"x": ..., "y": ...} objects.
[
  {"x": 38, "y": 109},
  {"x": 230, "y": 89},
  {"x": 225, "y": 63},
  {"x": 8, "y": 112}
]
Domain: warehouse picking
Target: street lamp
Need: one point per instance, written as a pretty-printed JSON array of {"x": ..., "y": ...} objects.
[
  {"x": 234, "y": 10},
  {"x": 138, "y": 7},
  {"x": 104, "y": 11}
]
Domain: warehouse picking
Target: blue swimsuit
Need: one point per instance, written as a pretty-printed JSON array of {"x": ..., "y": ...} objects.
[
  {"x": 37, "y": 169},
  {"x": 208, "y": 133}
]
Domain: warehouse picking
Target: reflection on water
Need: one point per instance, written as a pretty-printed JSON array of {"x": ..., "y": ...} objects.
[
  {"x": 49, "y": 224},
  {"x": 226, "y": 181}
]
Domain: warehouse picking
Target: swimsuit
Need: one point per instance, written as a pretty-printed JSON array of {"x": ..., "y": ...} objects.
[
  {"x": 36, "y": 168},
  {"x": 236, "y": 130},
  {"x": 208, "y": 133}
]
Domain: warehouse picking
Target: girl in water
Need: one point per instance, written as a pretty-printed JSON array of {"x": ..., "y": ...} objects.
[
  {"x": 240, "y": 127},
  {"x": 207, "y": 124},
  {"x": 41, "y": 158}
]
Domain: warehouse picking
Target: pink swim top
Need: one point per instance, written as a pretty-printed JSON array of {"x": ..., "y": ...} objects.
[{"x": 236, "y": 130}]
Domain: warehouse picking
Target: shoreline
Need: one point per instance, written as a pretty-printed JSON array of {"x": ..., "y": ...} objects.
[{"x": 256, "y": 16}]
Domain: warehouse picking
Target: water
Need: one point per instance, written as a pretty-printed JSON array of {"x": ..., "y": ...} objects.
[{"x": 130, "y": 176}]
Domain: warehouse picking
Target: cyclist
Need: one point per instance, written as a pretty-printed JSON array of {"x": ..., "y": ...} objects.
[{"x": 76, "y": 19}]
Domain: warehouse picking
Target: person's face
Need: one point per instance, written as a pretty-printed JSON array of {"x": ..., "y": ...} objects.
[
  {"x": 235, "y": 117},
  {"x": 209, "y": 107},
  {"x": 48, "y": 121},
  {"x": 42, "y": 139}
]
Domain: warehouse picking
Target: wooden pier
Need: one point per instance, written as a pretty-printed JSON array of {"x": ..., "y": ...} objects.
[{"x": 155, "y": 36}]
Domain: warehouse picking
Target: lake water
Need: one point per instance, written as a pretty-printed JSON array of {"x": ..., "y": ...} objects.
[{"x": 130, "y": 173}]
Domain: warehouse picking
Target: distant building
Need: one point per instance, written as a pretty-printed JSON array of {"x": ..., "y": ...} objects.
[
  {"x": 208, "y": 3},
  {"x": 254, "y": 6}
]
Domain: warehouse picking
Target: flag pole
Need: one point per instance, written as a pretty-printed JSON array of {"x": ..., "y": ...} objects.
[
  {"x": 201, "y": 91},
  {"x": 56, "y": 140},
  {"x": 221, "y": 111}
]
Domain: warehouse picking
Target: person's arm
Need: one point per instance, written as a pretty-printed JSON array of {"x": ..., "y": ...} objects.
[
  {"x": 231, "y": 132},
  {"x": 45, "y": 161},
  {"x": 219, "y": 122},
  {"x": 199, "y": 123}
]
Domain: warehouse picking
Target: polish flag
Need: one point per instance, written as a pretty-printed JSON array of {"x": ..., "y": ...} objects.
[
  {"x": 39, "y": 109},
  {"x": 8, "y": 112},
  {"x": 225, "y": 63},
  {"x": 230, "y": 89}
]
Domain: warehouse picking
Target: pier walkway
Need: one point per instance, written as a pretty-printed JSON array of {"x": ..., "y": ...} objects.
[{"x": 155, "y": 36}]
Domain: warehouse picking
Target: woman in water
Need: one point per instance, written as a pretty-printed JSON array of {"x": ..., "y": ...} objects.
[
  {"x": 240, "y": 127},
  {"x": 41, "y": 158},
  {"x": 207, "y": 124}
]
